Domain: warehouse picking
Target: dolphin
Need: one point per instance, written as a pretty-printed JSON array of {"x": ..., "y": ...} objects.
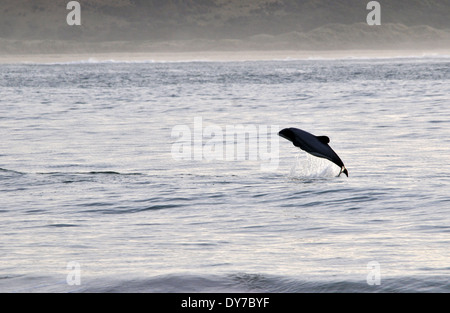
[{"x": 315, "y": 145}]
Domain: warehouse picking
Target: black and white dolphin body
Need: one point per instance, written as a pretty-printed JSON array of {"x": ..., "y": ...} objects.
[{"x": 315, "y": 145}]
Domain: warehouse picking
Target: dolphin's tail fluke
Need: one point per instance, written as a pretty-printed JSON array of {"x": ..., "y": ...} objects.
[{"x": 343, "y": 170}]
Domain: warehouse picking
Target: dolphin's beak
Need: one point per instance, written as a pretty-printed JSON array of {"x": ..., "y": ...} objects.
[{"x": 283, "y": 133}]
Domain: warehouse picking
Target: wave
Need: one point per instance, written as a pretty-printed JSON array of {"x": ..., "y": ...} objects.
[
  {"x": 367, "y": 55},
  {"x": 405, "y": 56},
  {"x": 7, "y": 174},
  {"x": 4, "y": 170},
  {"x": 227, "y": 283},
  {"x": 67, "y": 177},
  {"x": 58, "y": 173},
  {"x": 92, "y": 60}
]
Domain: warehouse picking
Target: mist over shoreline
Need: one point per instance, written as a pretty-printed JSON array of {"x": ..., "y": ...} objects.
[{"x": 220, "y": 56}]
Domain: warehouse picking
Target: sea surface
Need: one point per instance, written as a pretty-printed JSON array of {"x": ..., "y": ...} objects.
[{"x": 143, "y": 176}]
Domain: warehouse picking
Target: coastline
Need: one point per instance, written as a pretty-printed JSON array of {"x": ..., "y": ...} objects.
[{"x": 217, "y": 56}]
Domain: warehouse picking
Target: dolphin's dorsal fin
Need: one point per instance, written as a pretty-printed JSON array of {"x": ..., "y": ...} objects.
[{"x": 323, "y": 139}]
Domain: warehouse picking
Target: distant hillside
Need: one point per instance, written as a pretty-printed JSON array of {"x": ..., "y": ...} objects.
[{"x": 193, "y": 24}]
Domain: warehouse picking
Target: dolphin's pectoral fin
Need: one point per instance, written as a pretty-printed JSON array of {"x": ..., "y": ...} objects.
[{"x": 323, "y": 139}]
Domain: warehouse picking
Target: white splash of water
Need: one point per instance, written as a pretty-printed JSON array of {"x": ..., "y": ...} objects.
[{"x": 308, "y": 166}]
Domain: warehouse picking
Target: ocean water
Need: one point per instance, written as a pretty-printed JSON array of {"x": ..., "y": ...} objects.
[{"x": 121, "y": 176}]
